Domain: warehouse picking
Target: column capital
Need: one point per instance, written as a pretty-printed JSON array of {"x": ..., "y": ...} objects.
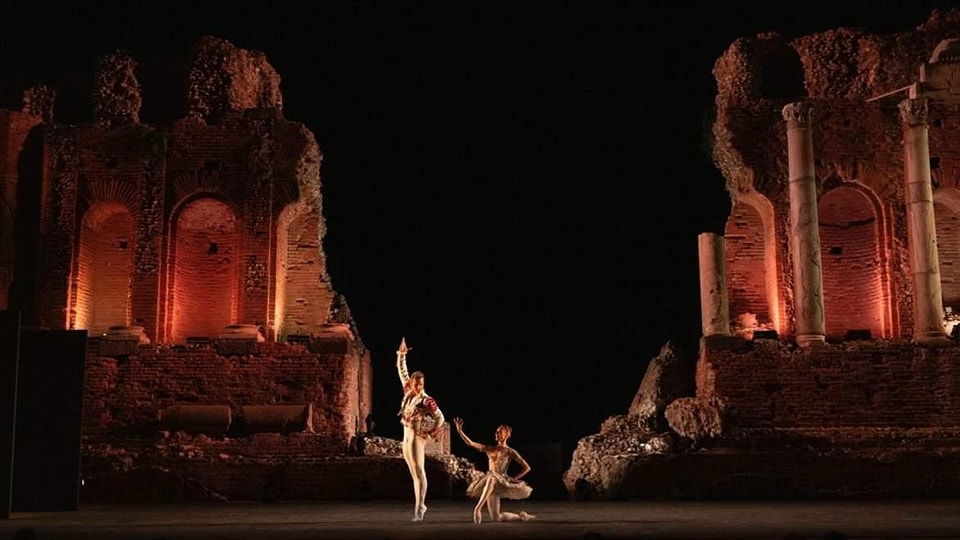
[
  {"x": 798, "y": 113},
  {"x": 913, "y": 112}
]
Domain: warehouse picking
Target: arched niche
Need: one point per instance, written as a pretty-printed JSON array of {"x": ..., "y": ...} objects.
[
  {"x": 854, "y": 268},
  {"x": 751, "y": 265},
  {"x": 946, "y": 204},
  {"x": 302, "y": 299},
  {"x": 102, "y": 288},
  {"x": 205, "y": 252},
  {"x": 781, "y": 74}
]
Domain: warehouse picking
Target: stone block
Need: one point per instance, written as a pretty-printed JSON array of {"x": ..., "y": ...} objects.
[
  {"x": 213, "y": 420},
  {"x": 277, "y": 418}
]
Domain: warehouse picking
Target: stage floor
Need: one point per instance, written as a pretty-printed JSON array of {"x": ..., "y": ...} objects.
[{"x": 556, "y": 520}]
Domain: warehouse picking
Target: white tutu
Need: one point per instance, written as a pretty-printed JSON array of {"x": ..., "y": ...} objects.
[{"x": 504, "y": 486}]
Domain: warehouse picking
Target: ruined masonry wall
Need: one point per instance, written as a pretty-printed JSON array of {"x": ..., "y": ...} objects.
[
  {"x": 127, "y": 393},
  {"x": 870, "y": 383}
]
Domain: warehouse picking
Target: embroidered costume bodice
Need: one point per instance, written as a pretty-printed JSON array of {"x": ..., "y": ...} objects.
[
  {"x": 499, "y": 458},
  {"x": 504, "y": 485},
  {"x": 408, "y": 407},
  {"x": 416, "y": 407}
]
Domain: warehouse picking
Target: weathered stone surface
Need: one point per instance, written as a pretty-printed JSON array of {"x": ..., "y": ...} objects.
[
  {"x": 116, "y": 93},
  {"x": 856, "y": 134},
  {"x": 197, "y": 419},
  {"x": 126, "y": 333},
  {"x": 381, "y": 446},
  {"x": 696, "y": 419},
  {"x": 601, "y": 461},
  {"x": 276, "y": 418},
  {"x": 668, "y": 377},
  {"x": 224, "y": 78},
  {"x": 154, "y": 238},
  {"x": 38, "y": 100}
]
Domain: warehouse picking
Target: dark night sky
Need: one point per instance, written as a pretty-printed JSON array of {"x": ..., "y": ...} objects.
[{"x": 516, "y": 187}]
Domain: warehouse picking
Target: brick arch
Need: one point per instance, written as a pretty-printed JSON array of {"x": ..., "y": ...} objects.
[
  {"x": 946, "y": 204},
  {"x": 101, "y": 291},
  {"x": 302, "y": 302},
  {"x": 856, "y": 280},
  {"x": 109, "y": 190},
  {"x": 209, "y": 181},
  {"x": 751, "y": 263},
  {"x": 203, "y": 268}
]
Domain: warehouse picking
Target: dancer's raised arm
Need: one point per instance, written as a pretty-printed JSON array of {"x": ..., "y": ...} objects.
[
  {"x": 402, "y": 362},
  {"x": 458, "y": 422}
]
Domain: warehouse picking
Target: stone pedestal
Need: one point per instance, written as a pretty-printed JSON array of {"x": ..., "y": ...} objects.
[
  {"x": 122, "y": 341},
  {"x": 239, "y": 339}
]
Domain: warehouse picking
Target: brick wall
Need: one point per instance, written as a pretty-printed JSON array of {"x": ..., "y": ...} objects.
[
  {"x": 126, "y": 394},
  {"x": 854, "y": 281},
  {"x": 300, "y": 267},
  {"x": 746, "y": 266},
  {"x": 184, "y": 229},
  {"x": 105, "y": 268},
  {"x": 864, "y": 383},
  {"x": 948, "y": 248},
  {"x": 205, "y": 256},
  {"x": 859, "y": 168},
  {"x": 93, "y": 178},
  {"x": 227, "y": 228}
]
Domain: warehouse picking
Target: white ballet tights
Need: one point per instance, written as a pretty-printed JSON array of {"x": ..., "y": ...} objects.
[{"x": 413, "y": 451}]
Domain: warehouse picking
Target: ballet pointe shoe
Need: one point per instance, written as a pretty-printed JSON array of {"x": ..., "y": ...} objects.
[
  {"x": 422, "y": 512},
  {"x": 526, "y": 516},
  {"x": 477, "y": 516}
]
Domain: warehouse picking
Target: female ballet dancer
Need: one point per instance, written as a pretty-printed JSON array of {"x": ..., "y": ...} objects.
[
  {"x": 496, "y": 483},
  {"x": 421, "y": 418}
]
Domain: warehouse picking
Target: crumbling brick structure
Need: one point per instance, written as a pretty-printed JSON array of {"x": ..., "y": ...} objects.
[
  {"x": 191, "y": 254},
  {"x": 189, "y": 228},
  {"x": 859, "y": 106},
  {"x": 827, "y": 366},
  {"x": 840, "y": 155}
]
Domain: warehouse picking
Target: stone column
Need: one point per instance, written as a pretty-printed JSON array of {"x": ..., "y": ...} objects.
[
  {"x": 921, "y": 226},
  {"x": 804, "y": 226},
  {"x": 714, "y": 306}
]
